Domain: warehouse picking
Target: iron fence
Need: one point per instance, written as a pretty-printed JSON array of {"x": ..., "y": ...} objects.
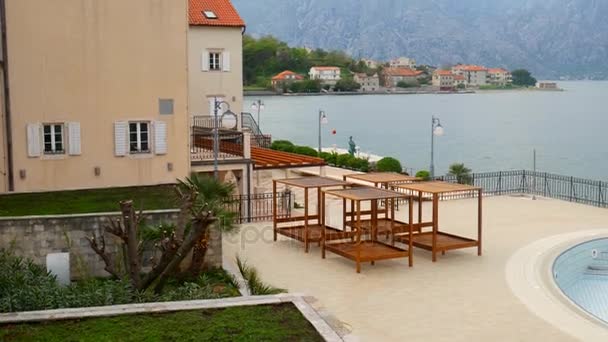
[
  {"x": 258, "y": 207},
  {"x": 572, "y": 189}
]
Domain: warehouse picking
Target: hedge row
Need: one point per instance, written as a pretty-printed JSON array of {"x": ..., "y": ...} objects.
[{"x": 344, "y": 160}]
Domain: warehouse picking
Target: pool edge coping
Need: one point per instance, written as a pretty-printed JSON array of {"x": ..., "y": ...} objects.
[{"x": 529, "y": 274}]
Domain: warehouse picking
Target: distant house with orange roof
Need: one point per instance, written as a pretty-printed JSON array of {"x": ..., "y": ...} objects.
[
  {"x": 499, "y": 76},
  {"x": 458, "y": 80},
  {"x": 326, "y": 74},
  {"x": 392, "y": 76},
  {"x": 284, "y": 79},
  {"x": 444, "y": 79},
  {"x": 475, "y": 75}
]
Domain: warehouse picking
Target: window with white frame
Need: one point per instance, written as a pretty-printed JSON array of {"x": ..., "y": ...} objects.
[
  {"x": 215, "y": 60},
  {"x": 139, "y": 137},
  {"x": 53, "y": 136}
]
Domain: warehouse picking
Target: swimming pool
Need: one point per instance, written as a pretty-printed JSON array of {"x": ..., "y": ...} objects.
[{"x": 581, "y": 272}]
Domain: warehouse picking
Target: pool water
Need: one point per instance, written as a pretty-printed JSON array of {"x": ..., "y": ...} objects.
[{"x": 581, "y": 272}]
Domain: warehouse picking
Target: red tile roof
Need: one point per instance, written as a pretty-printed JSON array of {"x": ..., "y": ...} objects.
[
  {"x": 497, "y": 71},
  {"x": 464, "y": 67},
  {"x": 444, "y": 72},
  {"x": 223, "y": 9},
  {"x": 459, "y": 78},
  {"x": 407, "y": 72},
  {"x": 284, "y": 74}
]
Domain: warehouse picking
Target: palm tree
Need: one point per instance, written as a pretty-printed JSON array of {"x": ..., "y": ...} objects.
[{"x": 461, "y": 172}]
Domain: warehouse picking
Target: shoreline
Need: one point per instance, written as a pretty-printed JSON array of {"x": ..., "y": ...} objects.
[{"x": 404, "y": 92}]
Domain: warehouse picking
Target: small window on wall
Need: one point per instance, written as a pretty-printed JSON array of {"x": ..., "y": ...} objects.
[
  {"x": 139, "y": 137},
  {"x": 214, "y": 61},
  {"x": 53, "y": 136}
]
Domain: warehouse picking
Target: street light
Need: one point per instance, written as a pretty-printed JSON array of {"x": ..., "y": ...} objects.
[
  {"x": 322, "y": 120},
  {"x": 436, "y": 130},
  {"x": 258, "y": 105},
  {"x": 228, "y": 121}
]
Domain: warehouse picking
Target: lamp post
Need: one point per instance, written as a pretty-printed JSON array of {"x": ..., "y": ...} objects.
[
  {"x": 322, "y": 120},
  {"x": 258, "y": 105},
  {"x": 228, "y": 120},
  {"x": 436, "y": 130}
]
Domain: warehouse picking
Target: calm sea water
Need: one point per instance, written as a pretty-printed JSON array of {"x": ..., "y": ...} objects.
[{"x": 487, "y": 131}]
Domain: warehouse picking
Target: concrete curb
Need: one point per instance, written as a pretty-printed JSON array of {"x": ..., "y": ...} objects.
[{"x": 307, "y": 311}]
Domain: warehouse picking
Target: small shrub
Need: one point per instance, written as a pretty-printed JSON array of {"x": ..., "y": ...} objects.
[
  {"x": 282, "y": 145},
  {"x": 388, "y": 164},
  {"x": 344, "y": 160},
  {"x": 305, "y": 150},
  {"x": 360, "y": 164},
  {"x": 330, "y": 158},
  {"x": 424, "y": 175}
]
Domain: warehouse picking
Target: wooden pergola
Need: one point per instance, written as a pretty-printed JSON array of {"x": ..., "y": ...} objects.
[
  {"x": 309, "y": 227},
  {"x": 383, "y": 180},
  {"x": 436, "y": 240},
  {"x": 362, "y": 249}
]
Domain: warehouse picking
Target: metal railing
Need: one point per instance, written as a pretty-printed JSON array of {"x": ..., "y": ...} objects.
[
  {"x": 567, "y": 188},
  {"x": 258, "y": 138},
  {"x": 258, "y": 207},
  {"x": 230, "y": 144}
]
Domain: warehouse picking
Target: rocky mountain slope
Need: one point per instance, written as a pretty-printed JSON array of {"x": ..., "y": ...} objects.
[{"x": 552, "y": 38}]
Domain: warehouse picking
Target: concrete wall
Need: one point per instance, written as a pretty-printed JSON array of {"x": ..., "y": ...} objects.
[
  {"x": 204, "y": 85},
  {"x": 37, "y": 236},
  {"x": 98, "y": 62}
]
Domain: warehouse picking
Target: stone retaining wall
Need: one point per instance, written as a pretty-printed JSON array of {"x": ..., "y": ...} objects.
[{"x": 36, "y": 236}]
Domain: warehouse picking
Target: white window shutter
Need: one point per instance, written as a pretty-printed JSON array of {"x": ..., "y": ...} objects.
[
  {"x": 34, "y": 145},
  {"x": 160, "y": 137},
  {"x": 120, "y": 138},
  {"x": 74, "y": 138},
  {"x": 226, "y": 61},
  {"x": 211, "y": 106},
  {"x": 205, "y": 61}
]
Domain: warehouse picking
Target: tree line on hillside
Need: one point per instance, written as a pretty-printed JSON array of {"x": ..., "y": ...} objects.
[{"x": 267, "y": 56}]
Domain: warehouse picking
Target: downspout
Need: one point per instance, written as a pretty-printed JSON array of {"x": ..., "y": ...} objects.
[{"x": 7, "y": 98}]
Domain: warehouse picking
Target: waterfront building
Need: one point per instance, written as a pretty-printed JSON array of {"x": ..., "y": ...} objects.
[
  {"x": 392, "y": 76},
  {"x": 474, "y": 75},
  {"x": 284, "y": 79},
  {"x": 459, "y": 80},
  {"x": 443, "y": 79},
  {"x": 499, "y": 77},
  {"x": 367, "y": 82},
  {"x": 326, "y": 74},
  {"x": 97, "y": 94},
  {"x": 84, "y": 109}
]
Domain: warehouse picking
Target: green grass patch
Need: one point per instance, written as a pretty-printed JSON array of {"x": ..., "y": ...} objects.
[
  {"x": 282, "y": 322},
  {"x": 86, "y": 201}
]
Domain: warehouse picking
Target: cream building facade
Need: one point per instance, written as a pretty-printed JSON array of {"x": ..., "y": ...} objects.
[
  {"x": 215, "y": 79},
  {"x": 367, "y": 82},
  {"x": 98, "y": 94}
]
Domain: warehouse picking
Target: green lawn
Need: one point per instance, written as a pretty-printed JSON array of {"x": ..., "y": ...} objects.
[
  {"x": 86, "y": 201},
  {"x": 247, "y": 323}
]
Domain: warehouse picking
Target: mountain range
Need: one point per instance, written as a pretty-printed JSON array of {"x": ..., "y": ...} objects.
[{"x": 551, "y": 38}]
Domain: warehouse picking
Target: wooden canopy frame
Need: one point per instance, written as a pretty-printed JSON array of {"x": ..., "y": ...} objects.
[
  {"x": 307, "y": 228},
  {"x": 436, "y": 240},
  {"x": 383, "y": 180},
  {"x": 370, "y": 249}
]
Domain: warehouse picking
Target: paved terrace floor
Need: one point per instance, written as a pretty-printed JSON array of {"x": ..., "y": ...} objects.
[{"x": 462, "y": 297}]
